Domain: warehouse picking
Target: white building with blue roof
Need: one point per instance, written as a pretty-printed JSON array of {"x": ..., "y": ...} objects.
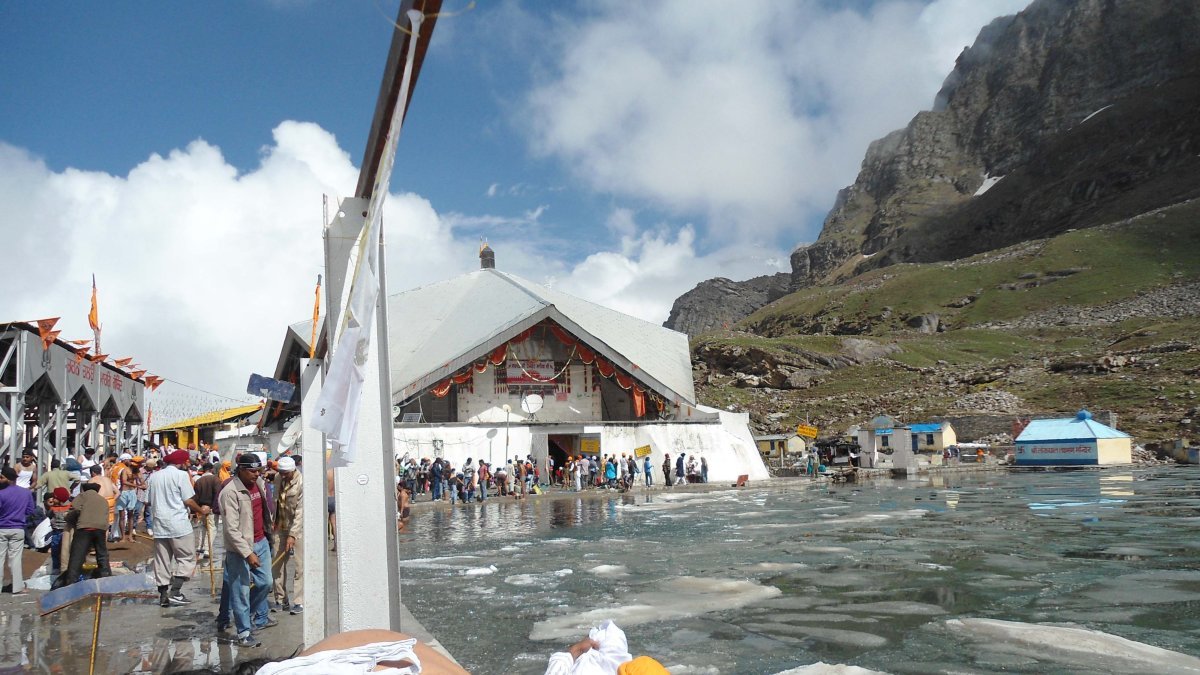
[{"x": 1074, "y": 441}]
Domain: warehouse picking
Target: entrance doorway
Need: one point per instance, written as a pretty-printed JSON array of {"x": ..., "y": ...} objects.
[{"x": 559, "y": 447}]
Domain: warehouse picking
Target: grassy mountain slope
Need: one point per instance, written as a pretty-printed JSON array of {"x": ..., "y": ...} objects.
[{"x": 1106, "y": 318}]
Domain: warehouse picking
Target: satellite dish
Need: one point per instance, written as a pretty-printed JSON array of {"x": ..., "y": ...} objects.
[{"x": 531, "y": 403}]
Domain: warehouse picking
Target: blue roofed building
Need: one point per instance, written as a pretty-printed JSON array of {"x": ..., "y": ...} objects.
[
  {"x": 1073, "y": 441},
  {"x": 932, "y": 437}
]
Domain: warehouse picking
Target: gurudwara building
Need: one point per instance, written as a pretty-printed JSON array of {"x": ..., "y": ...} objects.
[{"x": 491, "y": 366}]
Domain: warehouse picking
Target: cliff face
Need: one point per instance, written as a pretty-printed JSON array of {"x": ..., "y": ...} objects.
[
  {"x": 720, "y": 303},
  {"x": 1085, "y": 110},
  {"x": 1071, "y": 114}
]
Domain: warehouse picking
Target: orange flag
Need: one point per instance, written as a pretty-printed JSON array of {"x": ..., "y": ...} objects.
[
  {"x": 98, "y": 358},
  {"x": 79, "y": 343},
  {"x": 45, "y": 326},
  {"x": 80, "y": 354},
  {"x": 137, "y": 374},
  {"x": 123, "y": 362},
  {"x": 49, "y": 338},
  {"x": 94, "y": 315}
]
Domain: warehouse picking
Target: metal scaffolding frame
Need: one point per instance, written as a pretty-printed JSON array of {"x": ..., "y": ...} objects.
[{"x": 56, "y": 405}]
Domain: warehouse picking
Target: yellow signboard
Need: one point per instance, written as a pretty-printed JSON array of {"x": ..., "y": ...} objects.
[
  {"x": 641, "y": 451},
  {"x": 806, "y": 431},
  {"x": 589, "y": 446}
]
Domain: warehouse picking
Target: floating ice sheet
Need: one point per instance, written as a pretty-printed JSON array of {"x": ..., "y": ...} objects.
[
  {"x": 1077, "y": 646},
  {"x": 679, "y": 597}
]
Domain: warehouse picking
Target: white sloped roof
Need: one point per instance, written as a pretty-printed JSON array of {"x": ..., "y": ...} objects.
[{"x": 440, "y": 328}]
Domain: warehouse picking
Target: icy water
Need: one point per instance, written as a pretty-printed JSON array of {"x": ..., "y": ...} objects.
[{"x": 898, "y": 576}]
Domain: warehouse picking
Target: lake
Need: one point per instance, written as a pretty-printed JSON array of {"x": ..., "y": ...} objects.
[{"x": 959, "y": 572}]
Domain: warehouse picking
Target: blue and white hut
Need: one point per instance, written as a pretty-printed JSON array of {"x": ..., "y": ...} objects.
[{"x": 1075, "y": 441}]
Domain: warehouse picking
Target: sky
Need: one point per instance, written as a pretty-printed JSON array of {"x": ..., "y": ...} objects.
[{"x": 622, "y": 152}]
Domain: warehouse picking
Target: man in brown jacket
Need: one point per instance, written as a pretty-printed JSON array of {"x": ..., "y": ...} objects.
[
  {"x": 289, "y": 526},
  {"x": 89, "y": 518},
  {"x": 246, "y": 524}
]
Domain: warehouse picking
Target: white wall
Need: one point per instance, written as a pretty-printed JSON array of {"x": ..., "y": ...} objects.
[
  {"x": 485, "y": 405},
  {"x": 726, "y": 445}
]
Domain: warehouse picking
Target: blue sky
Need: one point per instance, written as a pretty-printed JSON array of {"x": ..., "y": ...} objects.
[{"x": 620, "y": 151}]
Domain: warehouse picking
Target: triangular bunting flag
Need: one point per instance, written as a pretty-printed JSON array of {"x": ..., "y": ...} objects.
[
  {"x": 123, "y": 362},
  {"x": 98, "y": 358},
  {"x": 49, "y": 338},
  {"x": 79, "y": 343},
  {"x": 45, "y": 326}
]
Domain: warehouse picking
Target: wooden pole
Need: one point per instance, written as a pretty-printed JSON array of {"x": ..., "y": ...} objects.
[
  {"x": 95, "y": 636},
  {"x": 212, "y": 575}
]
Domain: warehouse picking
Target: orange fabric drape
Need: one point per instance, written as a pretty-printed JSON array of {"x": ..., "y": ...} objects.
[
  {"x": 441, "y": 389},
  {"x": 624, "y": 381},
  {"x": 639, "y": 402},
  {"x": 602, "y": 366},
  {"x": 480, "y": 367},
  {"x": 498, "y": 355},
  {"x": 563, "y": 336},
  {"x": 586, "y": 355},
  {"x": 461, "y": 377}
]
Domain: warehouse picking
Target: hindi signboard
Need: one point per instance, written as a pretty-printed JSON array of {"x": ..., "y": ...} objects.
[
  {"x": 806, "y": 431},
  {"x": 589, "y": 446},
  {"x": 641, "y": 451}
]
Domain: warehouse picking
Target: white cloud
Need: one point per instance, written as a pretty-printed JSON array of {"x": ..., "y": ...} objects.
[
  {"x": 200, "y": 269},
  {"x": 744, "y": 120},
  {"x": 748, "y": 116}
]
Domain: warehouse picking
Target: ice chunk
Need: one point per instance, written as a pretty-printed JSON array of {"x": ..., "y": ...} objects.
[
  {"x": 773, "y": 567},
  {"x": 1078, "y": 646},
  {"x": 610, "y": 571},
  {"x": 822, "y": 668},
  {"x": 838, "y": 636},
  {"x": 676, "y": 598},
  {"x": 479, "y": 571},
  {"x": 894, "y": 608}
]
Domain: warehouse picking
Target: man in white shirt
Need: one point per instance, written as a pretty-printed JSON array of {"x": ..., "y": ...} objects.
[{"x": 171, "y": 498}]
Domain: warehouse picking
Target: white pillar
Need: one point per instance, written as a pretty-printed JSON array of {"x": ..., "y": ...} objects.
[
  {"x": 312, "y": 450},
  {"x": 368, "y": 554}
]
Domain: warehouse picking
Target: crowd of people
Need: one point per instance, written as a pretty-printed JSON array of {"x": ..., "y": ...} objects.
[
  {"x": 476, "y": 480},
  {"x": 176, "y": 499}
]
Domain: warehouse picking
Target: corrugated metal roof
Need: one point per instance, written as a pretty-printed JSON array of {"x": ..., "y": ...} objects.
[
  {"x": 439, "y": 328},
  {"x": 210, "y": 417},
  {"x": 1080, "y": 427}
]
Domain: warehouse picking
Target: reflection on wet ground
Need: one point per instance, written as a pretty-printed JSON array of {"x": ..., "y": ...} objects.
[
  {"x": 136, "y": 635},
  {"x": 788, "y": 573}
]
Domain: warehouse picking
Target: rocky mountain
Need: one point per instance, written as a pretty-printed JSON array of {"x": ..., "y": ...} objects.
[
  {"x": 1026, "y": 247},
  {"x": 1070, "y": 114},
  {"x": 719, "y": 303}
]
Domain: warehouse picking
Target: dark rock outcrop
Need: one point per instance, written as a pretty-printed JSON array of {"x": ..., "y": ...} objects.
[
  {"x": 1070, "y": 114},
  {"x": 1019, "y": 105},
  {"x": 720, "y": 303}
]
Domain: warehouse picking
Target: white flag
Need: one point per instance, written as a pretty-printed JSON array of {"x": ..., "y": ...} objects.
[{"x": 341, "y": 395}]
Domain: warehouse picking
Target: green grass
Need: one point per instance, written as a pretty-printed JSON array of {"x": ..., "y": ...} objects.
[
  {"x": 964, "y": 347},
  {"x": 1113, "y": 263}
]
